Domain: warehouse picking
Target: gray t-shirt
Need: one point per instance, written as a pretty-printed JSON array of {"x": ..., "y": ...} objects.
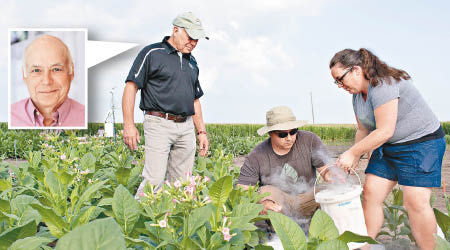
[
  {"x": 414, "y": 119},
  {"x": 305, "y": 155}
]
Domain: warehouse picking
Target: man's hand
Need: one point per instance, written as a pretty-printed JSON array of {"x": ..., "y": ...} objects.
[
  {"x": 271, "y": 205},
  {"x": 131, "y": 136},
  {"x": 203, "y": 144}
]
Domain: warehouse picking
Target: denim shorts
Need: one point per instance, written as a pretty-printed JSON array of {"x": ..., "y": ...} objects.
[{"x": 418, "y": 164}]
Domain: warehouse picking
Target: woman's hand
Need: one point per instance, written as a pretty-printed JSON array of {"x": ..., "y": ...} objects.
[{"x": 348, "y": 161}]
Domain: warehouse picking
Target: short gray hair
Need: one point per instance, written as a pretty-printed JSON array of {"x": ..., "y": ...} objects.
[{"x": 24, "y": 62}]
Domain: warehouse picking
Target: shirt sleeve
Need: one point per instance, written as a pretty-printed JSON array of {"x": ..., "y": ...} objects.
[
  {"x": 383, "y": 93},
  {"x": 319, "y": 154},
  {"x": 249, "y": 172},
  {"x": 138, "y": 71},
  {"x": 198, "y": 92}
]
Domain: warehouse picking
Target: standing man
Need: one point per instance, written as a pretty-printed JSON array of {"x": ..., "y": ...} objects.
[{"x": 167, "y": 75}]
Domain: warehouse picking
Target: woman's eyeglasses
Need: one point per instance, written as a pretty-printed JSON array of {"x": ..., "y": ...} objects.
[
  {"x": 338, "y": 81},
  {"x": 283, "y": 134}
]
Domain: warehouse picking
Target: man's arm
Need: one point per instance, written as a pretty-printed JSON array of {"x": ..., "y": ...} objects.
[
  {"x": 245, "y": 187},
  {"x": 268, "y": 204},
  {"x": 200, "y": 126},
  {"x": 130, "y": 132}
]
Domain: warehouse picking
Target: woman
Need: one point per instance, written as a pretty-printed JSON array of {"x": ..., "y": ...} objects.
[{"x": 406, "y": 138}]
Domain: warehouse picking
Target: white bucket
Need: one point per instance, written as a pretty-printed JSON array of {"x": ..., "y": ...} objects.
[
  {"x": 343, "y": 205},
  {"x": 109, "y": 129}
]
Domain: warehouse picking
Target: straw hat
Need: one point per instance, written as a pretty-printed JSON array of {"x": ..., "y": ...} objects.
[{"x": 280, "y": 118}]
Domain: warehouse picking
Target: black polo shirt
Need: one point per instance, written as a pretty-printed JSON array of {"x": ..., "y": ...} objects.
[{"x": 168, "y": 79}]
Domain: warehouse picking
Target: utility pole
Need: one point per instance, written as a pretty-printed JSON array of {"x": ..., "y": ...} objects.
[
  {"x": 110, "y": 118},
  {"x": 312, "y": 106},
  {"x": 113, "y": 107}
]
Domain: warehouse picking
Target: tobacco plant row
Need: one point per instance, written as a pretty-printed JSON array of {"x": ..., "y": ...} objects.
[{"x": 78, "y": 193}]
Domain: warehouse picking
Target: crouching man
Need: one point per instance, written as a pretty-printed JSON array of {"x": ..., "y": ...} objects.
[{"x": 285, "y": 165}]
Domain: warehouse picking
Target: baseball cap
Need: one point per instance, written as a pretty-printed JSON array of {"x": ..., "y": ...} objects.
[{"x": 191, "y": 24}]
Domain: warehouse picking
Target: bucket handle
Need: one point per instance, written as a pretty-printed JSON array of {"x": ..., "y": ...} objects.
[{"x": 326, "y": 167}]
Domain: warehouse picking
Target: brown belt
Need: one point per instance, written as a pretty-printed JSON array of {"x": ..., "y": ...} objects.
[{"x": 175, "y": 118}]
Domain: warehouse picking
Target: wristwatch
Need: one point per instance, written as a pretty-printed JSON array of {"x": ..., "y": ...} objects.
[{"x": 201, "y": 132}]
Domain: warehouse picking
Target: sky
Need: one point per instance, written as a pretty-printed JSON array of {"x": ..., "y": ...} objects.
[{"x": 260, "y": 54}]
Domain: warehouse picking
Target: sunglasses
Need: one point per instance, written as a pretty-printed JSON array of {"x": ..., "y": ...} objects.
[
  {"x": 283, "y": 134},
  {"x": 338, "y": 81}
]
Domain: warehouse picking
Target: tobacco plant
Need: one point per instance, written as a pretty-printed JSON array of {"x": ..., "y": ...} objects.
[{"x": 323, "y": 234}]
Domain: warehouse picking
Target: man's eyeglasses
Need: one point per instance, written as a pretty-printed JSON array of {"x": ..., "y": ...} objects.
[
  {"x": 283, "y": 134},
  {"x": 338, "y": 81}
]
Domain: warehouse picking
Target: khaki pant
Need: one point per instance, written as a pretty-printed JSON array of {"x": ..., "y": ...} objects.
[{"x": 169, "y": 150}]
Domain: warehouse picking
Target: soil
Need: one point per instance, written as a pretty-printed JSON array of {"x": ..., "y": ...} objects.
[{"x": 336, "y": 150}]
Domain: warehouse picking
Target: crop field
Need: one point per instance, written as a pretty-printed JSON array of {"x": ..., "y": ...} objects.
[{"x": 76, "y": 190}]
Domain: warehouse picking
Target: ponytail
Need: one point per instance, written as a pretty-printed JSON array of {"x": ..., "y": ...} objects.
[{"x": 374, "y": 70}]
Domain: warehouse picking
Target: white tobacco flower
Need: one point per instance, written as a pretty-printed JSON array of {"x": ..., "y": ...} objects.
[
  {"x": 162, "y": 223},
  {"x": 177, "y": 184}
]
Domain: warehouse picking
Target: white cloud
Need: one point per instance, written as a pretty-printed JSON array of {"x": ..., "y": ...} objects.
[
  {"x": 235, "y": 25},
  {"x": 260, "y": 80},
  {"x": 208, "y": 77}
]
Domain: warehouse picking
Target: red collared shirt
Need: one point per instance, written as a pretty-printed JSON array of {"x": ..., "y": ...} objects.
[{"x": 69, "y": 114}]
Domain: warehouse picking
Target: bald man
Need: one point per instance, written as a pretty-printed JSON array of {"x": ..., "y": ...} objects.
[{"x": 48, "y": 72}]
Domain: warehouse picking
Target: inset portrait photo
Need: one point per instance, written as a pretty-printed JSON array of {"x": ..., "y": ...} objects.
[{"x": 47, "y": 79}]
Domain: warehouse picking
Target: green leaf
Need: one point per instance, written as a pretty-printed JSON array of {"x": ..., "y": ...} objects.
[
  {"x": 87, "y": 195},
  {"x": 22, "y": 202},
  {"x": 5, "y": 206},
  {"x": 322, "y": 227},
  {"x": 241, "y": 223},
  {"x": 202, "y": 235},
  {"x": 20, "y": 206},
  {"x": 333, "y": 244},
  {"x": 198, "y": 218},
  {"x": 55, "y": 223},
  {"x": 249, "y": 209},
  {"x": 134, "y": 177},
  {"x": 404, "y": 230},
  {"x": 29, "y": 243},
  {"x": 291, "y": 235},
  {"x": 441, "y": 244},
  {"x": 348, "y": 236},
  {"x": 66, "y": 178},
  {"x": 140, "y": 242},
  {"x": 29, "y": 214},
  {"x": 88, "y": 162},
  {"x": 54, "y": 185},
  {"x": 126, "y": 209},
  {"x": 254, "y": 239},
  {"x": 5, "y": 185},
  {"x": 443, "y": 221},
  {"x": 262, "y": 247},
  {"x": 220, "y": 190},
  {"x": 86, "y": 214},
  {"x": 7, "y": 215},
  {"x": 101, "y": 234},
  {"x": 36, "y": 159},
  {"x": 105, "y": 202},
  {"x": 11, "y": 235},
  {"x": 122, "y": 175},
  {"x": 216, "y": 238}
]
